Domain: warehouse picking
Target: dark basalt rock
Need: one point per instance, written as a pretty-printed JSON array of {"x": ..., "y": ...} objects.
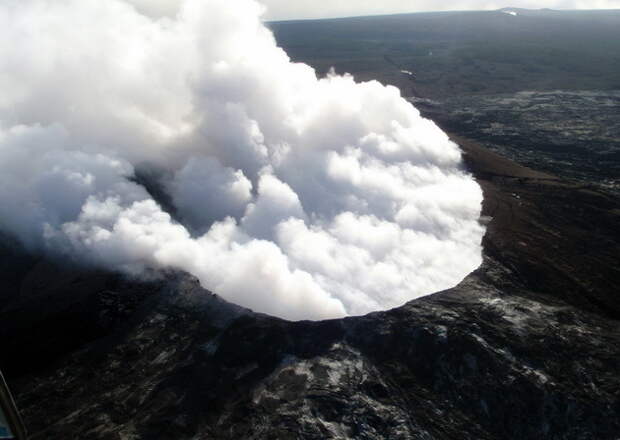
[{"x": 526, "y": 347}]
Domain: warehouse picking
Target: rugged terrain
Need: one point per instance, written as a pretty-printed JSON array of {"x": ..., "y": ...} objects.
[
  {"x": 574, "y": 134},
  {"x": 528, "y": 346}
]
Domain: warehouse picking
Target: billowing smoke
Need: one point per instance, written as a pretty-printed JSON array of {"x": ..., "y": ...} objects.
[{"x": 292, "y": 195}]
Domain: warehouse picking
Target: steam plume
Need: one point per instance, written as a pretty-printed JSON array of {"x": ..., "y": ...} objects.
[{"x": 292, "y": 195}]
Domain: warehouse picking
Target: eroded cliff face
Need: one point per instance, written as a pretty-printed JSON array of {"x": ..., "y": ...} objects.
[{"x": 528, "y": 346}]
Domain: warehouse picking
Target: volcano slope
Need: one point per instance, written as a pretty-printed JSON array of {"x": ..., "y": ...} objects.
[{"x": 526, "y": 347}]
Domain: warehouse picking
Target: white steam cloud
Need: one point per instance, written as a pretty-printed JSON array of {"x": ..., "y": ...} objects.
[{"x": 292, "y": 195}]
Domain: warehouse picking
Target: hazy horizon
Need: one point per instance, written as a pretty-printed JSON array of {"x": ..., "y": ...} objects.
[
  {"x": 434, "y": 12},
  {"x": 280, "y": 10}
]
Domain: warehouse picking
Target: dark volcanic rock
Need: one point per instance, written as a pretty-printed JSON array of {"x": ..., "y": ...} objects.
[
  {"x": 572, "y": 134},
  {"x": 526, "y": 347}
]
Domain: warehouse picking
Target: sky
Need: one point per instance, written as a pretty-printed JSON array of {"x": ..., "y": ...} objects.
[{"x": 305, "y": 9}]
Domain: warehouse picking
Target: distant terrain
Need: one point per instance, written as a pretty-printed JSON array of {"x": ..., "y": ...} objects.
[
  {"x": 468, "y": 71},
  {"x": 456, "y": 53}
]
